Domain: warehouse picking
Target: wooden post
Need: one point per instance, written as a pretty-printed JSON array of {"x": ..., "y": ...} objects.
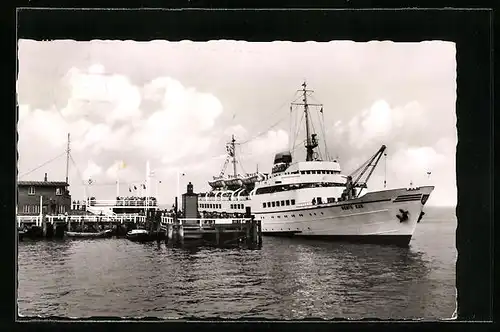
[
  {"x": 217, "y": 235},
  {"x": 259, "y": 223},
  {"x": 170, "y": 232},
  {"x": 254, "y": 232},
  {"x": 248, "y": 227},
  {"x": 181, "y": 233}
]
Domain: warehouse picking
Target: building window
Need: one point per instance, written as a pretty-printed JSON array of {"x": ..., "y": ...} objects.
[
  {"x": 25, "y": 209},
  {"x": 31, "y": 191},
  {"x": 58, "y": 191}
]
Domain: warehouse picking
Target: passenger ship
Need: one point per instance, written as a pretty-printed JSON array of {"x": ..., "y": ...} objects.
[
  {"x": 313, "y": 199},
  {"x": 230, "y": 193}
]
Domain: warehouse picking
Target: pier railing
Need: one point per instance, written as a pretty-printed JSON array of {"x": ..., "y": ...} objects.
[
  {"x": 200, "y": 222},
  {"x": 37, "y": 220}
]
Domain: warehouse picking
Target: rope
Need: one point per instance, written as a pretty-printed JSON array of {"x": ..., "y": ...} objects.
[
  {"x": 45, "y": 163},
  {"x": 275, "y": 124}
]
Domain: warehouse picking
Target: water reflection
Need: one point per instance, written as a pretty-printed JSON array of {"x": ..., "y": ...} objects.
[{"x": 286, "y": 279}]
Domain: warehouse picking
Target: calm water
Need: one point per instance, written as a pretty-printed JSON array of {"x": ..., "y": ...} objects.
[{"x": 286, "y": 279}]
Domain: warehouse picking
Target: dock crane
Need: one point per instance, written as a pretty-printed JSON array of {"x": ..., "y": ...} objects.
[{"x": 350, "y": 191}]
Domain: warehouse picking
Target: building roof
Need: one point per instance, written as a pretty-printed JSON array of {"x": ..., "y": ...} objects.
[{"x": 42, "y": 183}]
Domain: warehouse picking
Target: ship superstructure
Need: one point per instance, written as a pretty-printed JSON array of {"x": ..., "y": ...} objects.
[
  {"x": 312, "y": 198},
  {"x": 230, "y": 192}
]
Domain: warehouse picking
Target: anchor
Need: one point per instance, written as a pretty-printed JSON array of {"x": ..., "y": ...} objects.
[{"x": 403, "y": 216}]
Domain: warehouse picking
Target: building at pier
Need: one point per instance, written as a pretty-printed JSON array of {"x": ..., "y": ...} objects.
[{"x": 55, "y": 197}]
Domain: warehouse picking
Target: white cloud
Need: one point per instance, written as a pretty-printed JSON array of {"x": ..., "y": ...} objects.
[
  {"x": 382, "y": 123},
  {"x": 275, "y": 141},
  {"x": 92, "y": 170},
  {"x": 240, "y": 133}
]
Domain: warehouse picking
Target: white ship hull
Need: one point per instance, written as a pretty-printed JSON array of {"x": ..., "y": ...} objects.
[{"x": 372, "y": 218}]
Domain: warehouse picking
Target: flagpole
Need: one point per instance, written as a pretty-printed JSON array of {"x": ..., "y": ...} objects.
[
  {"x": 118, "y": 182},
  {"x": 178, "y": 182}
]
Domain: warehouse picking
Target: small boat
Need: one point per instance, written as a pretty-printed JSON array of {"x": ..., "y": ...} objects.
[
  {"x": 90, "y": 235},
  {"x": 138, "y": 235}
]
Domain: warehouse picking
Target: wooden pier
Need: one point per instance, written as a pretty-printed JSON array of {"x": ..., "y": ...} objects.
[
  {"x": 238, "y": 232},
  {"x": 218, "y": 232},
  {"x": 55, "y": 226}
]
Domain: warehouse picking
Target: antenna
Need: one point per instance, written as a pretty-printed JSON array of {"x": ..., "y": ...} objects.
[
  {"x": 385, "y": 170},
  {"x": 67, "y": 159},
  {"x": 233, "y": 154}
]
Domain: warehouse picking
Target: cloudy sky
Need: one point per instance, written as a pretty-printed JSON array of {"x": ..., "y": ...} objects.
[{"x": 176, "y": 104}]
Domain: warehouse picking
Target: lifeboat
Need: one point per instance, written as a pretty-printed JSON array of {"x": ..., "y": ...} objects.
[
  {"x": 233, "y": 181},
  {"x": 217, "y": 182},
  {"x": 253, "y": 178}
]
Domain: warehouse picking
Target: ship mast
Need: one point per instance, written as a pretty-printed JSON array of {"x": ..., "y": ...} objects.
[
  {"x": 232, "y": 153},
  {"x": 67, "y": 159},
  {"x": 311, "y": 142}
]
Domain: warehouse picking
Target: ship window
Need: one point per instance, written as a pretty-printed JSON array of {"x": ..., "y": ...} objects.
[
  {"x": 272, "y": 217},
  {"x": 302, "y": 172},
  {"x": 286, "y": 216},
  {"x": 322, "y": 213},
  {"x": 331, "y": 199},
  {"x": 282, "y": 203},
  {"x": 308, "y": 172},
  {"x": 279, "y": 217},
  {"x": 232, "y": 206},
  {"x": 31, "y": 191},
  {"x": 318, "y": 200},
  {"x": 58, "y": 191},
  {"x": 273, "y": 203},
  {"x": 293, "y": 216},
  {"x": 287, "y": 202},
  {"x": 301, "y": 215},
  {"x": 292, "y": 201},
  {"x": 264, "y": 205}
]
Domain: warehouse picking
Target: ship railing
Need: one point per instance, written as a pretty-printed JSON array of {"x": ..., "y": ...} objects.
[
  {"x": 218, "y": 199},
  {"x": 122, "y": 203},
  {"x": 202, "y": 222}
]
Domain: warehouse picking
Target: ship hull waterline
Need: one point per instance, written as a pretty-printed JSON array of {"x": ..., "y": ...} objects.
[{"x": 385, "y": 217}]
